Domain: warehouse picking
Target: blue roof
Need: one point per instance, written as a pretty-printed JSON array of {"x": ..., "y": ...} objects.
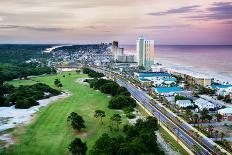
[
  {"x": 169, "y": 79},
  {"x": 167, "y": 89},
  {"x": 143, "y": 79},
  {"x": 153, "y": 74},
  {"x": 220, "y": 86}
]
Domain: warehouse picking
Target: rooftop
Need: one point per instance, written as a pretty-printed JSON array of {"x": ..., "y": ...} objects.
[
  {"x": 153, "y": 74},
  {"x": 225, "y": 110},
  {"x": 220, "y": 86},
  {"x": 167, "y": 89},
  {"x": 144, "y": 80},
  {"x": 169, "y": 79}
]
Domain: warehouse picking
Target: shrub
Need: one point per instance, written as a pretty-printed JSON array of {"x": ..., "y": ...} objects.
[
  {"x": 128, "y": 110},
  {"x": 130, "y": 115}
]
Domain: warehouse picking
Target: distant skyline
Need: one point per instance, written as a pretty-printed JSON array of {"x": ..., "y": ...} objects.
[{"x": 182, "y": 22}]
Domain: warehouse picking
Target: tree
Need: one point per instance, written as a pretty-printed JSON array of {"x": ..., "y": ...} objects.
[
  {"x": 209, "y": 117},
  {"x": 196, "y": 119},
  {"x": 77, "y": 147},
  {"x": 210, "y": 129},
  {"x": 189, "y": 114},
  {"x": 120, "y": 102},
  {"x": 216, "y": 132},
  {"x": 100, "y": 113},
  {"x": 222, "y": 135},
  {"x": 77, "y": 121},
  {"x": 204, "y": 112},
  {"x": 56, "y": 82},
  {"x": 117, "y": 119},
  {"x": 218, "y": 116},
  {"x": 60, "y": 85}
]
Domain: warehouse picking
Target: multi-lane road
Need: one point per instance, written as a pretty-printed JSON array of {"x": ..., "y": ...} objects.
[
  {"x": 200, "y": 146},
  {"x": 145, "y": 99}
]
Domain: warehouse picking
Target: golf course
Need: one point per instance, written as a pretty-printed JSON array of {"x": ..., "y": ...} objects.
[{"x": 49, "y": 132}]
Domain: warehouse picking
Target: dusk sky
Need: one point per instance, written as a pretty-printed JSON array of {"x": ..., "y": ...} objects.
[{"x": 93, "y": 21}]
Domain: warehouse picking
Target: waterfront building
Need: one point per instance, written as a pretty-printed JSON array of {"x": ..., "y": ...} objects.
[
  {"x": 130, "y": 58},
  {"x": 192, "y": 77},
  {"x": 145, "y": 52},
  {"x": 115, "y": 49}
]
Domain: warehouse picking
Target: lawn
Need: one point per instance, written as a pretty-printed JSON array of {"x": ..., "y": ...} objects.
[{"x": 50, "y": 133}]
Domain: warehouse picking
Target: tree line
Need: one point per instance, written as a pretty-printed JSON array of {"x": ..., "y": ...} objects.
[
  {"x": 14, "y": 54},
  {"x": 9, "y": 72},
  {"x": 24, "y": 97},
  {"x": 92, "y": 73},
  {"x": 121, "y": 98},
  {"x": 137, "y": 139}
]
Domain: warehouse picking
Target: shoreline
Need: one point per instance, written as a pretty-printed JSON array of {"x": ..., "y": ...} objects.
[{"x": 193, "y": 70}]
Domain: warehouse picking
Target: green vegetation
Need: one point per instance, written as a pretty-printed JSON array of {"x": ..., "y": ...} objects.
[
  {"x": 121, "y": 97},
  {"x": 225, "y": 99},
  {"x": 9, "y": 72},
  {"x": 139, "y": 139},
  {"x": 24, "y": 97},
  {"x": 14, "y": 54},
  {"x": 57, "y": 83},
  {"x": 172, "y": 142},
  {"x": 77, "y": 121},
  {"x": 100, "y": 113},
  {"x": 204, "y": 90},
  {"x": 50, "y": 133},
  {"x": 178, "y": 97},
  {"x": 77, "y": 147},
  {"x": 92, "y": 73}
]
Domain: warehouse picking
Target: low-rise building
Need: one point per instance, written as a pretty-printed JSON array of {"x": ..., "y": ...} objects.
[
  {"x": 226, "y": 114},
  {"x": 152, "y": 75},
  {"x": 217, "y": 103},
  {"x": 192, "y": 77},
  {"x": 202, "y": 103},
  {"x": 167, "y": 90},
  {"x": 184, "y": 103}
]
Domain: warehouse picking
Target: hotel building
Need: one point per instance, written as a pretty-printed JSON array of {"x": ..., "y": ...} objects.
[{"x": 145, "y": 52}]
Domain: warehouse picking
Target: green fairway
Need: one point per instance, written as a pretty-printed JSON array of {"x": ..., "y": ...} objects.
[{"x": 50, "y": 133}]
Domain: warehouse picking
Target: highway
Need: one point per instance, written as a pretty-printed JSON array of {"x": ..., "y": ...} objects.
[
  {"x": 200, "y": 146},
  {"x": 156, "y": 109}
]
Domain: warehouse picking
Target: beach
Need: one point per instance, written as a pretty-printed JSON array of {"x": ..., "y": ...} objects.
[{"x": 211, "y": 61}]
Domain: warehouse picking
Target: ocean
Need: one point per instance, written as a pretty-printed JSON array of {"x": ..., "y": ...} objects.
[{"x": 214, "y": 61}]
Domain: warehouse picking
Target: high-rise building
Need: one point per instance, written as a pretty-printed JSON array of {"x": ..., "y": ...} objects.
[
  {"x": 145, "y": 52},
  {"x": 115, "y": 49},
  {"x": 130, "y": 58}
]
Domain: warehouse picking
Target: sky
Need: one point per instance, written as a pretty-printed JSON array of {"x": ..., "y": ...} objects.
[{"x": 172, "y": 22}]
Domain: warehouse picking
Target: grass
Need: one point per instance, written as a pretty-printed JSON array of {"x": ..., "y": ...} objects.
[
  {"x": 172, "y": 142},
  {"x": 50, "y": 133}
]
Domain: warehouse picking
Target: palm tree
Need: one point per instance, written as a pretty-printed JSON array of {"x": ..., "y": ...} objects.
[
  {"x": 216, "y": 132},
  {"x": 219, "y": 117},
  {"x": 178, "y": 110},
  {"x": 210, "y": 129},
  {"x": 196, "y": 119},
  {"x": 222, "y": 134},
  {"x": 100, "y": 113},
  {"x": 117, "y": 119}
]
